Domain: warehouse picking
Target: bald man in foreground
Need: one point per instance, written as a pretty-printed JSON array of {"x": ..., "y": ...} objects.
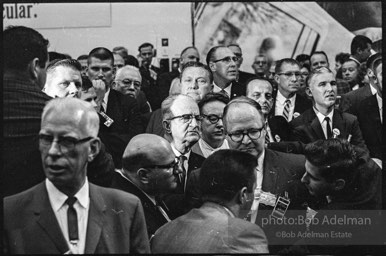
[
  {"x": 149, "y": 169},
  {"x": 66, "y": 214}
]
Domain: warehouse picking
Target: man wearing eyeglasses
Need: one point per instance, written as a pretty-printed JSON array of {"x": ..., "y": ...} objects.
[
  {"x": 149, "y": 169},
  {"x": 120, "y": 118},
  {"x": 66, "y": 214},
  {"x": 242, "y": 76},
  {"x": 278, "y": 174},
  {"x": 287, "y": 102},
  {"x": 223, "y": 64},
  {"x": 212, "y": 128},
  {"x": 181, "y": 122},
  {"x": 260, "y": 66}
]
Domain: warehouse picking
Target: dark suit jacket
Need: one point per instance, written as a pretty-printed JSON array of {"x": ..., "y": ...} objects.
[
  {"x": 176, "y": 203},
  {"x": 279, "y": 128},
  {"x": 163, "y": 83},
  {"x": 150, "y": 88},
  {"x": 301, "y": 104},
  {"x": 282, "y": 173},
  {"x": 238, "y": 89},
  {"x": 244, "y": 77},
  {"x": 209, "y": 229},
  {"x": 307, "y": 128},
  {"x": 155, "y": 123},
  {"x": 371, "y": 126},
  {"x": 350, "y": 101},
  {"x": 127, "y": 123},
  {"x": 116, "y": 223},
  {"x": 153, "y": 216}
]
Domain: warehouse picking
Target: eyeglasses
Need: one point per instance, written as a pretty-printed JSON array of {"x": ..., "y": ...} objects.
[
  {"x": 227, "y": 60},
  {"x": 187, "y": 118},
  {"x": 212, "y": 118},
  {"x": 65, "y": 144},
  {"x": 173, "y": 165},
  {"x": 253, "y": 134},
  {"x": 129, "y": 82},
  {"x": 290, "y": 74}
]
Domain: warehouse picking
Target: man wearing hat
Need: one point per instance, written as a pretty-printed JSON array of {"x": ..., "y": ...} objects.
[{"x": 149, "y": 168}]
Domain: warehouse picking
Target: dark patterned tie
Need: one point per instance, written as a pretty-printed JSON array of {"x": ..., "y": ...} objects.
[
  {"x": 286, "y": 110},
  {"x": 223, "y": 92},
  {"x": 328, "y": 127},
  {"x": 182, "y": 174},
  {"x": 72, "y": 219}
]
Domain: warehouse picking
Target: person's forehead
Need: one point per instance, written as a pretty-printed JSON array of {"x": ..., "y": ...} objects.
[
  {"x": 190, "y": 52},
  {"x": 289, "y": 67},
  {"x": 318, "y": 57},
  {"x": 129, "y": 74},
  {"x": 117, "y": 58},
  {"x": 313, "y": 170},
  {"x": 184, "y": 105},
  {"x": 98, "y": 62},
  {"x": 213, "y": 106},
  {"x": 260, "y": 58},
  {"x": 195, "y": 71},
  {"x": 66, "y": 71},
  {"x": 224, "y": 52},
  {"x": 235, "y": 49},
  {"x": 260, "y": 86},
  {"x": 146, "y": 49},
  {"x": 323, "y": 77},
  {"x": 242, "y": 114},
  {"x": 349, "y": 64},
  {"x": 65, "y": 122}
]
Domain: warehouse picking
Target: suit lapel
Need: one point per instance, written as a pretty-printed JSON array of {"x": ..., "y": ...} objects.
[
  {"x": 95, "y": 220},
  {"x": 270, "y": 173},
  {"x": 340, "y": 123},
  {"x": 46, "y": 218},
  {"x": 373, "y": 111},
  {"x": 315, "y": 125}
]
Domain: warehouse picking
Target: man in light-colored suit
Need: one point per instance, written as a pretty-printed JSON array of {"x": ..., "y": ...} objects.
[
  {"x": 227, "y": 182},
  {"x": 65, "y": 213}
]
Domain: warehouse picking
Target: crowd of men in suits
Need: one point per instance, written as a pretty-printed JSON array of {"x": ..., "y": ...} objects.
[{"x": 106, "y": 154}]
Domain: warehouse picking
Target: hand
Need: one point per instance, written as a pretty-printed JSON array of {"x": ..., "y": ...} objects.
[{"x": 100, "y": 89}]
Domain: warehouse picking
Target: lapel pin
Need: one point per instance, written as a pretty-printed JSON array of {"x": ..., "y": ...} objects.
[{"x": 336, "y": 133}]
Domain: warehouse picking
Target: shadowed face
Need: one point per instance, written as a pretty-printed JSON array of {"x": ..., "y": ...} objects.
[
  {"x": 213, "y": 132},
  {"x": 315, "y": 183},
  {"x": 261, "y": 92}
]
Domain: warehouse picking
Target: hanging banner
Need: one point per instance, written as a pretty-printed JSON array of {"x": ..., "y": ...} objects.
[{"x": 57, "y": 15}]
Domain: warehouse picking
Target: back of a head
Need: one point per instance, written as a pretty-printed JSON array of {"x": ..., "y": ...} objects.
[
  {"x": 21, "y": 45},
  {"x": 225, "y": 172},
  {"x": 101, "y": 53},
  {"x": 82, "y": 57},
  {"x": 145, "y": 150},
  {"x": 373, "y": 61},
  {"x": 302, "y": 57},
  {"x": 359, "y": 41},
  {"x": 57, "y": 56},
  {"x": 132, "y": 61},
  {"x": 335, "y": 158}
]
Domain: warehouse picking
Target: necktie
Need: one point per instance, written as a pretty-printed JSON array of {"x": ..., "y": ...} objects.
[
  {"x": 223, "y": 92},
  {"x": 328, "y": 127},
  {"x": 72, "y": 219},
  {"x": 267, "y": 138},
  {"x": 286, "y": 110},
  {"x": 182, "y": 174}
]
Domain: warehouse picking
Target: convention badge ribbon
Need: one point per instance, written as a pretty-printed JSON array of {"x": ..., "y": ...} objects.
[{"x": 109, "y": 121}]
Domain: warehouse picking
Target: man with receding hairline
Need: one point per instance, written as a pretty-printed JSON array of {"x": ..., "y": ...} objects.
[
  {"x": 74, "y": 215},
  {"x": 149, "y": 169}
]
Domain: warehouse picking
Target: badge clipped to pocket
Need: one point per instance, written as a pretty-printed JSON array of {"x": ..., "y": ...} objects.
[
  {"x": 108, "y": 121},
  {"x": 281, "y": 206}
]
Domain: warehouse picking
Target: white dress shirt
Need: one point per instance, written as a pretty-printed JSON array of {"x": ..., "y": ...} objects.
[
  {"x": 105, "y": 100},
  {"x": 380, "y": 106},
  {"x": 259, "y": 183},
  {"x": 207, "y": 150},
  {"x": 323, "y": 122},
  {"x": 217, "y": 89},
  {"x": 280, "y": 104},
  {"x": 186, "y": 165},
  {"x": 82, "y": 206}
]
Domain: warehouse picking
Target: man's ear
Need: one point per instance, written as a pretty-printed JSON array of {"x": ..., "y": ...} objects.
[
  {"x": 166, "y": 126},
  {"x": 33, "y": 68},
  {"x": 143, "y": 175},
  {"x": 95, "y": 146},
  {"x": 212, "y": 66},
  {"x": 339, "y": 184},
  {"x": 277, "y": 78},
  {"x": 242, "y": 196},
  {"x": 113, "y": 85},
  {"x": 308, "y": 91},
  {"x": 371, "y": 74}
]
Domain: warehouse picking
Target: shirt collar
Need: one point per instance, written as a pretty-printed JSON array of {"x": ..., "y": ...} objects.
[
  {"x": 260, "y": 161},
  {"x": 57, "y": 198},
  {"x": 373, "y": 90},
  {"x": 281, "y": 99},
  {"x": 321, "y": 116},
  {"x": 177, "y": 153},
  {"x": 217, "y": 89},
  {"x": 379, "y": 99},
  {"x": 106, "y": 97}
]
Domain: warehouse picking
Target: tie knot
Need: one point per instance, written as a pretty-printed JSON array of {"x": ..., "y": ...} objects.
[
  {"x": 71, "y": 201},
  {"x": 327, "y": 119},
  {"x": 182, "y": 159},
  {"x": 288, "y": 102}
]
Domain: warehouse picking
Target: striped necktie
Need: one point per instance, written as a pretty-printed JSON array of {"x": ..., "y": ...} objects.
[
  {"x": 287, "y": 110},
  {"x": 267, "y": 138}
]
